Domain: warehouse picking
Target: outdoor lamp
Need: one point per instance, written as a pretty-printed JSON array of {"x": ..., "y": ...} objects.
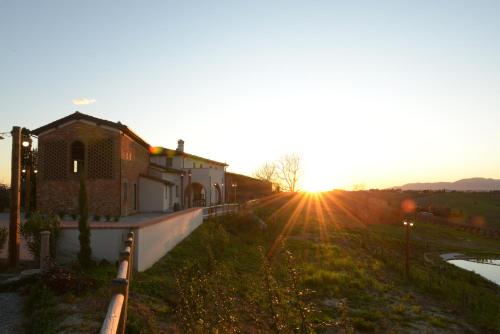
[{"x": 26, "y": 143}]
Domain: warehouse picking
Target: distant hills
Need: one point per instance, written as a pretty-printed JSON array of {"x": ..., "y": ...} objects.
[{"x": 472, "y": 184}]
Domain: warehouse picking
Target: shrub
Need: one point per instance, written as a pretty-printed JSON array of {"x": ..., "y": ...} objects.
[
  {"x": 108, "y": 218},
  {"x": 4, "y": 197},
  {"x": 61, "y": 280},
  {"x": 97, "y": 218},
  {"x": 37, "y": 223},
  {"x": 3, "y": 236},
  {"x": 177, "y": 207},
  {"x": 74, "y": 216},
  {"x": 116, "y": 219}
]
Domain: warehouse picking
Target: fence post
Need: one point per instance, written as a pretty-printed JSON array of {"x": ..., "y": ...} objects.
[
  {"x": 130, "y": 242},
  {"x": 120, "y": 285},
  {"x": 44, "y": 250}
]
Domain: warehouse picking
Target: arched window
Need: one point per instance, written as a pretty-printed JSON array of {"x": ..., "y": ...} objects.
[{"x": 77, "y": 157}]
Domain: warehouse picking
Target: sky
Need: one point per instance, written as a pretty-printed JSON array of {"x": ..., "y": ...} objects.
[{"x": 378, "y": 93}]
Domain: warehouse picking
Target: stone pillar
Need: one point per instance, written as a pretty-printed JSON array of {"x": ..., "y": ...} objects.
[{"x": 45, "y": 250}]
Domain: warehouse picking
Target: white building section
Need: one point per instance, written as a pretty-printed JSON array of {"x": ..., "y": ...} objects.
[
  {"x": 154, "y": 194},
  {"x": 200, "y": 180}
]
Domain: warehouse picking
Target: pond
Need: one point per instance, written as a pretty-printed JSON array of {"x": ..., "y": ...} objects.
[{"x": 488, "y": 268}]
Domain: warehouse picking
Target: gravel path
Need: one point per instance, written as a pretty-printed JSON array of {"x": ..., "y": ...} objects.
[{"x": 11, "y": 313}]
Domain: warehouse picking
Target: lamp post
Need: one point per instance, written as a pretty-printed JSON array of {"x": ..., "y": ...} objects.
[
  {"x": 182, "y": 190},
  {"x": 407, "y": 225},
  {"x": 189, "y": 188},
  {"x": 222, "y": 200},
  {"x": 27, "y": 171},
  {"x": 234, "y": 185}
]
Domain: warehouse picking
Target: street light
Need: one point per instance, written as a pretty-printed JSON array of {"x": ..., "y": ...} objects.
[
  {"x": 407, "y": 225},
  {"x": 234, "y": 185},
  {"x": 190, "y": 194},
  {"x": 182, "y": 190}
]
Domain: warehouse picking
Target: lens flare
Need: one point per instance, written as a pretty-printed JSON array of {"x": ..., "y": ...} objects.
[{"x": 155, "y": 150}]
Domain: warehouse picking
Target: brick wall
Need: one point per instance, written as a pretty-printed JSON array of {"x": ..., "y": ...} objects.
[
  {"x": 58, "y": 191},
  {"x": 134, "y": 161}
]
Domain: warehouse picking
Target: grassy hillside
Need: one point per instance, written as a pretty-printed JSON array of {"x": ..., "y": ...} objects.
[
  {"x": 292, "y": 264},
  {"x": 319, "y": 266}
]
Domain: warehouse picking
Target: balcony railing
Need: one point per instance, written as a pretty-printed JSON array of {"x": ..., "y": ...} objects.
[{"x": 220, "y": 210}]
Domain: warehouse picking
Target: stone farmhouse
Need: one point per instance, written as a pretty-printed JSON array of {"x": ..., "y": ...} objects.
[{"x": 124, "y": 174}]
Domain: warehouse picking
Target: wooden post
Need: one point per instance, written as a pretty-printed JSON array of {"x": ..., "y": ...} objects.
[
  {"x": 120, "y": 285},
  {"x": 407, "y": 257},
  {"x": 15, "y": 186},
  {"x": 130, "y": 242},
  {"x": 45, "y": 250}
]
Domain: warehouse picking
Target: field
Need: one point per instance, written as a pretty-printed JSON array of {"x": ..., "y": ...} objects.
[
  {"x": 478, "y": 208},
  {"x": 321, "y": 265},
  {"x": 331, "y": 263}
]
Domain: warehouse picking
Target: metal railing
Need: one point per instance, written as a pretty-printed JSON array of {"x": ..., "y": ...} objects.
[
  {"x": 116, "y": 317},
  {"x": 220, "y": 210}
]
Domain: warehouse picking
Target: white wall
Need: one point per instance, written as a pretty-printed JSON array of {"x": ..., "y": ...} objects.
[
  {"x": 153, "y": 238},
  {"x": 207, "y": 177},
  {"x": 106, "y": 244},
  {"x": 151, "y": 196},
  {"x": 156, "y": 240},
  {"x": 176, "y": 180}
]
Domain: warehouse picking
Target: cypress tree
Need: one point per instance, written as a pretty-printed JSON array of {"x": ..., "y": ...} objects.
[{"x": 83, "y": 225}]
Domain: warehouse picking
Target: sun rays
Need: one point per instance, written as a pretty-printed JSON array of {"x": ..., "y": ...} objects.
[{"x": 317, "y": 216}]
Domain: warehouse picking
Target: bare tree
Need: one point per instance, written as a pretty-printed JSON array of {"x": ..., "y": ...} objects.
[
  {"x": 266, "y": 172},
  {"x": 289, "y": 170}
]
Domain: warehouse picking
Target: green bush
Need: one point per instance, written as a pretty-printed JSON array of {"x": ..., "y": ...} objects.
[{"x": 37, "y": 223}]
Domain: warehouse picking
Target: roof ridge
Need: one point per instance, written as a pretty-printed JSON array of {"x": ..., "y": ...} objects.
[{"x": 99, "y": 121}]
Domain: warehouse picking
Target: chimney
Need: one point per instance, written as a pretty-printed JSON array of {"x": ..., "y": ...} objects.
[{"x": 180, "y": 145}]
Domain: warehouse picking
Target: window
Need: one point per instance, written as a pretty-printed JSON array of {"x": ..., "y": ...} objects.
[
  {"x": 169, "y": 162},
  {"x": 176, "y": 191},
  {"x": 135, "y": 196},
  {"x": 201, "y": 165},
  {"x": 77, "y": 157},
  {"x": 194, "y": 164}
]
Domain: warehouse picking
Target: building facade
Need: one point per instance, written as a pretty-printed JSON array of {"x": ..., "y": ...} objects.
[
  {"x": 124, "y": 175},
  {"x": 202, "y": 180},
  {"x": 241, "y": 188}
]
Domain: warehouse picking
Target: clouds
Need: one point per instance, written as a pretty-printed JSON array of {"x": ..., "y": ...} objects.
[{"x": 83, "y": 101}]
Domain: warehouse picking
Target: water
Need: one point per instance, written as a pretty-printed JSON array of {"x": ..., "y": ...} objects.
[{"x": 489, "y": 269}]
